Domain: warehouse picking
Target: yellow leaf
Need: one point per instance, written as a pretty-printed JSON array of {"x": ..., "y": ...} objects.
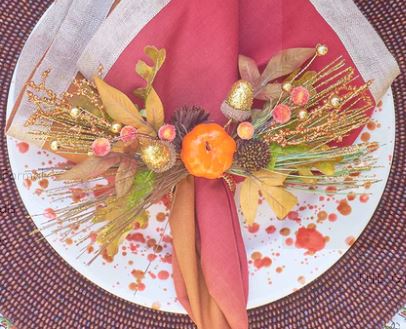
[
  {"x": 280, "y": 200},
  {"x": 249, "y": 199},
  {"x": 327, "y": 168},
  {"x": 270, "y": 178},
  {"x": 304, "y": 171},
  {"x": 120, "y": 108},
  {"x": 154, "y": 109}
]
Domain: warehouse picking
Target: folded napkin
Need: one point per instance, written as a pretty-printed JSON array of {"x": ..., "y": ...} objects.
[{"x": 203, "y": 40}]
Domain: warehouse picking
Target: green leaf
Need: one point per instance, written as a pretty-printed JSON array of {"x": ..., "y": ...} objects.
[
  {"x": 143, "y": 185},
  {"x": 149, "y": 72},
  {"x": 277, "y": 150}
]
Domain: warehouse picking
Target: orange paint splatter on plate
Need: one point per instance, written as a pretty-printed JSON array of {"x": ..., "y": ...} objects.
[
  {"x": 344, "y": 208},
  {"x": 350, "y": 240},
  {"x": 310, "y": 239},
  {"x": 284, "y": 231},
  {"x": 365, "y": 136}
]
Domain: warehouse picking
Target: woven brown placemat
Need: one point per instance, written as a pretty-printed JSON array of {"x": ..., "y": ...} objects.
[{"x": 363, "y": 290}]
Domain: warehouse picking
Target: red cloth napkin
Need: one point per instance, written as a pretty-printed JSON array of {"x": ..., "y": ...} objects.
[{"x": 203, "y": 40}]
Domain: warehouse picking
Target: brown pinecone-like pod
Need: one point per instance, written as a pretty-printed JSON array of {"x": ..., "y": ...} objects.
[{"x": 252, "y": 155}]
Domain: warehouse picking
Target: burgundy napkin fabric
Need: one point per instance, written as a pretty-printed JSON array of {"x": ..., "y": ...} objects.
[{"x": 203, "y": 40}]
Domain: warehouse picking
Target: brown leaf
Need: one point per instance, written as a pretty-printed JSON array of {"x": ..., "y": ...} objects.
[
  {"x": 280, "y": 200},
  {"x": 270, "y": 91},
  {"x": 154, "y": 109},
  {"x": 125, "y": 176},
  {"x": 90, "y": 168},
  {"x": 249, "y": 195},
  {"x": 119, "y": 107},
  {"x": 285, "y": 63},
  {"x": 248, "y": 69}
]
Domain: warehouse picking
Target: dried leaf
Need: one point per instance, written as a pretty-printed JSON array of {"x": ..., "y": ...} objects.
[
  {"x": 120, "y": 108},
  {"x": 154, "y": 109},
  {"x": 249, "y": 199},
  {"x": 270, "y": 91},
  {"x": 90, "y": 168},
  {"x": 125, "y": 176},
  {"x": 280, "y": 200},
  {"x": 303, "y": 171},
  {"x": 248, "y": 69},
  {"x": 269, "y": 178},
  {"x": 285, "y": 63}
]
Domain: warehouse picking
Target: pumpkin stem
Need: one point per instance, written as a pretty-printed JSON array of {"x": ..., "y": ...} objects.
[{"x": 208, "y": 147}]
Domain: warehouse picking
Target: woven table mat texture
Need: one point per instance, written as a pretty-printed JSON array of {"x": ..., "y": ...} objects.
[{"x": 363, "y": 290}]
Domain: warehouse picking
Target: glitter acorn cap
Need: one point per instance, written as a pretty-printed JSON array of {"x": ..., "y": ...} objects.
[
  {"x": 158, "y": 156},
  {"x": 238, "y": 104}
]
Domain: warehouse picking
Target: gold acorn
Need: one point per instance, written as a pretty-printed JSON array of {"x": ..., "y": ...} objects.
[
  {"x": 238, "y": 104},
  {"x": 158, "y": 156}
]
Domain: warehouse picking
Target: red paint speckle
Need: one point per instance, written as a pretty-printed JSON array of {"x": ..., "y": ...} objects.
[
  {"x": 364, "y": 198},
  {"x": 23, "y": 147},
  {"x": 163, "y": 275},
  {"x": 50, "y": 213},
  {"x": 152, "y": 257},
  {"x": 332, "y": 217},
  {"x": 310, "y": 239},
  {"x": 254, "y": 228},
  {"x": 270, "y": 229}
]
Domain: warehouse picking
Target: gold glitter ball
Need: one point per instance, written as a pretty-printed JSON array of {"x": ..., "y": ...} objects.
[
  {"x": 55, "y": 146},
  {"x": 158, "y": 156},
  {"x": 287, "y": 86},
  {"x": 75, "y": 112},
  {"x": 321, "y": 50},
  {"x": 241, "y": 96},
  {"x": 303, "y": 115},
  {"x": 116, "y": 127},
  {"x": 335, "y": 101}
]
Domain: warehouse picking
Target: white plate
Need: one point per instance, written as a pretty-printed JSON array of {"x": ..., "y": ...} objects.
[{"x": 277, "y": 266}]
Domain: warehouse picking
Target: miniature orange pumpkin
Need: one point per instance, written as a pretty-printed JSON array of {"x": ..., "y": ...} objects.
[{"x": 207, "y": 151}]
